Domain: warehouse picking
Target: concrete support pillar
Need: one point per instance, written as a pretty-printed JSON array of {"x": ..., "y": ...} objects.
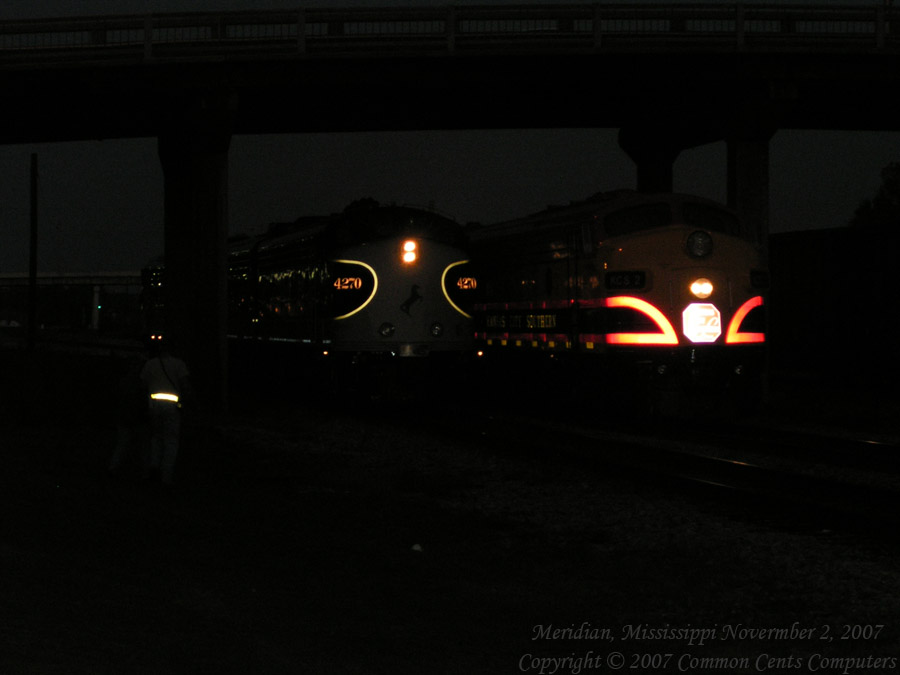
[
  {"x": 194, "y": 156},
  {"x": 654, "y": 149},
  {"x": 654, "y": 153},
  {"x": 748, "y": 183}
]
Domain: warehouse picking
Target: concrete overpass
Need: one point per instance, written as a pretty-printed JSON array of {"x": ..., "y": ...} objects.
[{"x": 668, "y": 77}]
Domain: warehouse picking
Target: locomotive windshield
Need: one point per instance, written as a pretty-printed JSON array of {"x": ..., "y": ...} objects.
[
  {"x": 370, "y": 223},
  {"x": 709, "y": 217},
  {"x": 637, "y": 218},
  {"x": 650, "y": 216}
]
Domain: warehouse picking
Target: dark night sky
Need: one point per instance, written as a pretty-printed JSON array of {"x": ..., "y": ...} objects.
[{"x": 100, "y": 203}]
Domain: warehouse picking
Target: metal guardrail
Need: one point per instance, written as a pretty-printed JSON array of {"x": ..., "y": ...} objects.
[{"x": 365, "y": 32}]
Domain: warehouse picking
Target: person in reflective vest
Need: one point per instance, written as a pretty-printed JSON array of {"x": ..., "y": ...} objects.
[{"x": 166, "y": 378}]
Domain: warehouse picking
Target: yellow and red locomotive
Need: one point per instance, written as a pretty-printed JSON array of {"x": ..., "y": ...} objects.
[{"x": 654, "y": 288}]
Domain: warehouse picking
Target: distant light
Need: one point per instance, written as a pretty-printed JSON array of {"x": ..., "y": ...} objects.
[{"x": 164, "y": 397}]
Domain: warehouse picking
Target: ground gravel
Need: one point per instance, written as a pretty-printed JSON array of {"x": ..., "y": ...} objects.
[{"x": 325, "y": 543}]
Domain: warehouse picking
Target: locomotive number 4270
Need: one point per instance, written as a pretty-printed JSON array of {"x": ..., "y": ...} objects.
[{"x": 348, "y": 283}]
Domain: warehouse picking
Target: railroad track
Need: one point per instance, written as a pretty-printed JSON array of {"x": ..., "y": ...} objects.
[
  {"x": 852, "y": 481},
  {"x": 841, "y": 483},
  {"x": 858, "y": 451},
  {"x": 782, "y": 474}
]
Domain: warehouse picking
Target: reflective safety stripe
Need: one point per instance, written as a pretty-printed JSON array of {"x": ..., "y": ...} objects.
[
  {"x": 666, "y": 336},
  {"x": 164, "y": 397},
  {"x": 734, "y": 334},
  {"x": 444, "y": 287}
]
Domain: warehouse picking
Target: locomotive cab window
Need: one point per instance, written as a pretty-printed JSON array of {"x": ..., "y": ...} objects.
[
  {"x": 709, "y": 217},
  {"x": 364, "y": 221},
  {"x": 637, "y": 218}
]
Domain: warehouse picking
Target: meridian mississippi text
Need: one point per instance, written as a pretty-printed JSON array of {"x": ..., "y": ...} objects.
[{"x": 691, "y": 635}]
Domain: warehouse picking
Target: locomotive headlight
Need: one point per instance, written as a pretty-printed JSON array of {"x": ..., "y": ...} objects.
[
  {"x": 702, "y": 288},
  {"x": 410, "y": 251},
  {"x": 699, "y": 244},
  {"x": 437, "y": 329},
  {"x": 386, "y": 329}
]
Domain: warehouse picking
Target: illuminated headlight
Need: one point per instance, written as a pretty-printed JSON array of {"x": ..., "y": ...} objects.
[
  {"x": 386, "y": 329},
  {"x": 702, "y": 288},
  {"x": 410, "y": 251},
  {"x": 437, "y": 329},
  {"x": 699, "y": 244}
]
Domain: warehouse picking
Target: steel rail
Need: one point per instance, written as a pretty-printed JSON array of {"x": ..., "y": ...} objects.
[{"x": 842, "y": 499}]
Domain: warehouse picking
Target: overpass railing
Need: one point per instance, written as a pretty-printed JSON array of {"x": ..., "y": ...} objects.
[
  {"x": 368, "y": 32},
  {"x": 130, "y": 278}
]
